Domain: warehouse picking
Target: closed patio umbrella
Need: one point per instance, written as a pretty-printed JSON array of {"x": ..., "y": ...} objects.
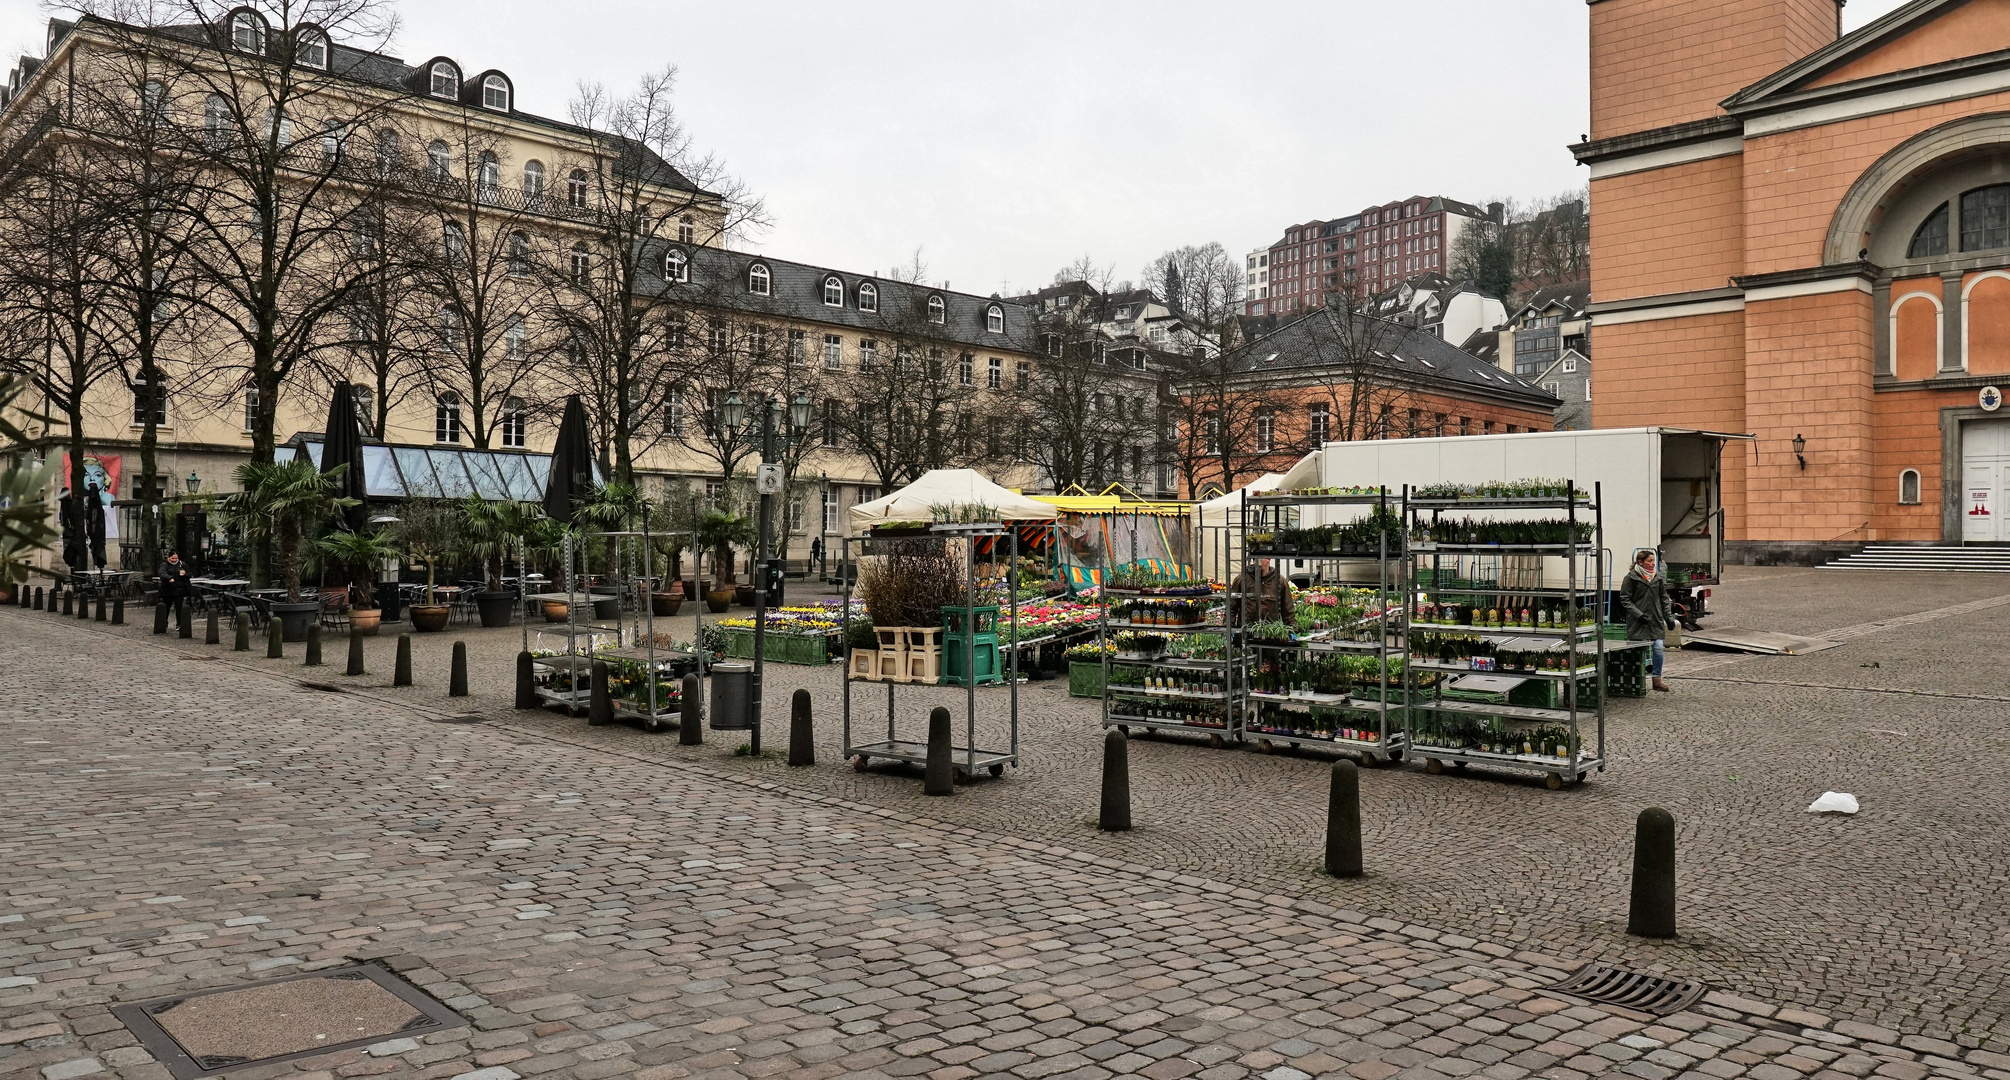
[
  {"x": 342, "y": 444},
  {"x": 571, "y": 476}
]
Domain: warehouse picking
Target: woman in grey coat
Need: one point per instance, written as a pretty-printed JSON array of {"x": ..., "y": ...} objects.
[{"x": 1643, "y": 596}]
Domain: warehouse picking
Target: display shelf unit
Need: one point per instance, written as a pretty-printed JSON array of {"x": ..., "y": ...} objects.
[
  {"x": 1152, "y": 706},
  {"x": 1369, "y": 728},
  {"x": 1563, "y": 744}
]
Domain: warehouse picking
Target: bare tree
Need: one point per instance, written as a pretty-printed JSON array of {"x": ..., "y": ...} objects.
[
  {"x": 913, "y": 403},
  {"x": 1203, "y": 284},
  {"x": 1087, "y": 407},
  {"x": 1361, "y": 398}
]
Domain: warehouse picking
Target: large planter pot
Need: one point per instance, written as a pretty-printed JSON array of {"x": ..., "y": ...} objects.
[
  {"x": 665, "y": 604},
  {"x": 366, "y": 620},
  {"x": 294, "y": 619},
  {"x": 428, "y": 618},
  {"x": 718, "y": 600},
  {"x": 390, "y": 601},
  {"x": 743, "y": 595},
  {"x": 690, "y": 587},
  {"x": 556, "y": 610},
  {"x": 495, "y": 607},
  {"x": 607, "y": 610}
]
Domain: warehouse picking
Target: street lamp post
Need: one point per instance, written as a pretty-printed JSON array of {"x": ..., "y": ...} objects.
[{"x": 768, "y": 482}]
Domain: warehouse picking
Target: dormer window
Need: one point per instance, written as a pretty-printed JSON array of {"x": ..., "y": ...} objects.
[
  {"x": 938, "y": 312},
  {"x": 446, "y": 81},
  {"x": 247, "y": 32},
  {"x": 758, "y": 280},
  {"x": 833, "y": 292},
  {"x": 310, "y": 48},
  {"x": 868, "y": 296},
  {"x": 495, "y": 93},
  {"x": 687, "y": 233},
  {"x": 676, "y": 266},
  {"x": 994, "y": 319}
]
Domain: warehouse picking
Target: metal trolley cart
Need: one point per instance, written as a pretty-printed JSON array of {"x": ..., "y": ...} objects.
[
  {"x": 1490, "y": 603},
  {"x": 645, "y": 675},
  {"x": 1165, "y": 683},
  {"x": 968, "y": 757},
  {"x": 1326, "y": 705}
]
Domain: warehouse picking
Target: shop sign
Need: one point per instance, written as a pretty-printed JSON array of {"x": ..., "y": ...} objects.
[{"x": 1978, "y": 500}]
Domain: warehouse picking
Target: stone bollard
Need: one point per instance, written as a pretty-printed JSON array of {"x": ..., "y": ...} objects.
[
  {"x": 183, "y": 625},
  {"x": 67, "y": 602},
  {"x": 802, "y": 751},
  {"x": 691, "y": 712},
  {"x": 99, "y": 616},
  {"x": 210, "y": 632},
  {"x": 457, "y": 679},
  {"x": 1116, "y": 811},
  {"x": 83, "y": 608},
  {"x": 599, "y": 704},
  {"x": 243, "y": 627},
  {"x": 940, "y": 777},
  {"x": 1653, "y": 909},
  {"x": 526, "y": 681},
  {"x": 402, "y": 676},
  {"x": 119, "y": 611},
  {"x": 355, "y": 653},
  {"x": 275, "y": 641},
  {"x": 38, "y": 598},
  {"x": 161, "y": 617},
  {"x": 313, "y": 646},
  {"x": 1343, "y": 821}
]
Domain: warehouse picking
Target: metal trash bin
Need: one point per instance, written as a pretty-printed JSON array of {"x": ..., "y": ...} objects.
[{"x": 732, "y": 696}]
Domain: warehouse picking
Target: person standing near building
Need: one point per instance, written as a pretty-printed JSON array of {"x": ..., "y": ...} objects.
[
  {"x": 817, "y": 554},
  {"x": 1643, "y": 596},
  {"x": 175, "y": 585}
]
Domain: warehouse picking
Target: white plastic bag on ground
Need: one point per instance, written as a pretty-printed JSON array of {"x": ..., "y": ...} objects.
[{"x": 1840, "y": 802}]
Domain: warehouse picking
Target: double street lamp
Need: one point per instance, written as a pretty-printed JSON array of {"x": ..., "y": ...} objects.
[{"x": 795, "y": 417}]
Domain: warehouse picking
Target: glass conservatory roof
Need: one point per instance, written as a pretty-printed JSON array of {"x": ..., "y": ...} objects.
[{"x": 443, "y": 472}]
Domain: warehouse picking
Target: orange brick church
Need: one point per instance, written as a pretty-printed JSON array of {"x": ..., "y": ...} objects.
[{"x": 1806, "y": 236}]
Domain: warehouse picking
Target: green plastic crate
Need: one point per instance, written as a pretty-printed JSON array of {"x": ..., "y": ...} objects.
[
  {"x": 780, "y": 648},
  {"x": 1085, "y": 679}
]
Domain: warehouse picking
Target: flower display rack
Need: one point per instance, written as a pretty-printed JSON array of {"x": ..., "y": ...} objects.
[{"x": 1151, "y": 684}]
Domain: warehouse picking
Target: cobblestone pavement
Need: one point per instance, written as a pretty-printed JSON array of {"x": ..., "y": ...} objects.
[{"x": 1891, "y": 918}]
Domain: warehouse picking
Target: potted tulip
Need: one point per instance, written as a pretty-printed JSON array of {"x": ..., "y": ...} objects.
[
  {"x": 282, "y": 501},
  {"x": 720, "y": 531},
  {"x": 360, "y": 552},
  {"x": 428, "y": 529}
]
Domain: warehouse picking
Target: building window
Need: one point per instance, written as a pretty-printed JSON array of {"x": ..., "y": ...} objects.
[
  {"x": 757, "y": 341},
  {"x": 513, "y": 424},
  {"x": 575, "y": 189},
  {"x": 676, "y": 266},
  {"x": 966, "y": 370},
  {"x": 310, "y": 48},
  {"x": 830, "y": 510},
  {"x": 833, "y": 424},
  {"x": 1266, "y": 430},
  {"x": 798, "y": 347},
  {"x": 673, "y": 412},
  {"x": 718, "y": 338},
  {"x": 216, "y": 122},
  {"x": 582, "y": 263},
  {"x": 868, "y": 297},
  {"x": 149, "y": 400},
  {"x": 446, "y": 81},
  {"x": 994, "y": 319},
  {"x": 247, "y": 32},
  {"x": 1931, "y": 239},
  {"x": 686, "y": 232},
  {"x": 833, "y": 292},
  {"x": 757, "y": 280},
  {"x": 450, "y": 328},
  {"x": 575, "y": 351},
  {"x": 833, "y": 352},
  {"x": 447, "y": 418},
  {"x": 1985, "y": 218},
  {"x": 1908, "y": 487},
  {"x": 1319, "y": 425},
  {"x": 868, "y": 355},
  {"x": 514, "y": 337},
  {"x": 715, "y": 493},
  {"x": 454, "y": 243},
  {"x": 533, "y": 184},
  {"x": 1023, "y": 377},
  {"x": 519, "y": 254},
  {"x": 439, "y": 161},
  {"x": 1569, "y": 364},
  {"x": 488, "y": 178},
  {"x": 937, "y": 310},
  {"x": 495, "y": 93},
  {"x": 994, "y": 376}
]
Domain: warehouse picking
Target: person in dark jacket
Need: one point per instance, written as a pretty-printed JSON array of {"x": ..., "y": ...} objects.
[
  {"x": 175, "y": 587},
  {"x": 1265, "y": 596},
  {"x": 1643, "y": 596},
  {"x": 94, "y": 523}
]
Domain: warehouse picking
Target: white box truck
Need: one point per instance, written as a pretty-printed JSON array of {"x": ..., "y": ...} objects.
[{"x": 1661, "y": 486}]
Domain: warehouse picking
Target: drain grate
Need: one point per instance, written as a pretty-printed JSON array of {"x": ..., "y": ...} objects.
[{"x": 1657, "y": 994}]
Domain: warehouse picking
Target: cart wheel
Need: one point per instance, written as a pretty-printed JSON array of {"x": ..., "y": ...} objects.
[
  {"x": 1459, "y": 765},
  {"x": 1553, "y": 782},
  {"x": 1433, "y": 766},
  {"x": 1126, "y": 729},
  {"x": 858, "y": 763},
  {"x": 1214, "y": 742},
  {"x": 998, "y": 769},
  {"x": 1263, "y": 747},
  {"x": 961, "y": 776},
  {"x": 1369, "y": 761},
  {"x": 1395, "y": 755}
]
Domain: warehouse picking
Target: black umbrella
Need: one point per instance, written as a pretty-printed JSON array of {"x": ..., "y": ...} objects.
[
  {"x": 342, "y": 444},
  {"x": 571, "y": 477}
]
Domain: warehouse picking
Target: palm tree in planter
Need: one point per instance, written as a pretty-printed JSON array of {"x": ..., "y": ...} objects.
[
  {"x": 429, "y": 531},
  {"x": 670, "y": 537},
  {"x": 721, "y": 531},
  {"x": 285, "y": 501},
  {"x": 361, "y": 552},
  {"x": 490, "y": 532}
]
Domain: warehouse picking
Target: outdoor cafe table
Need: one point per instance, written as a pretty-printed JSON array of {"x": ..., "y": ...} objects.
[{"x": 218, "y": 584}]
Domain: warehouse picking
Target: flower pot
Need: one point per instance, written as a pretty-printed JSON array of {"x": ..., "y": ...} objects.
[
  {"x": 607, "y": 610},
  {"x": 718, "y": 600},
  {"x": 294, "y": 619},
  {"x": 366, "y": 620},
  {"x": 665, "y": 604},
  {"x": 556, "y": 610},
  {"x": 690, "y": 587},
  {"x": 495, "y": 607},
  {"x": 428, "y": 618},
  {"x": 743, "y": 595}
]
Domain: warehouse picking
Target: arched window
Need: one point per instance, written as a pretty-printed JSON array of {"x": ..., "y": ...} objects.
[
  {"x": 247, "y": 32},
  {"x": 533, "y": 184},
  {"x": 1931, "y": 239},
  {"x": 454, "y": 243},
  {"x": 216, "y": 122},
  {"x": 575, "y": 189},
  {"x": 446, "y": 81},
  {"x": 519, "y": 254},
  {"x": 994, "y": 319},
  {"x": 310, "y": 48},
  {"x": 582, "y": 263},
  {"x": 757, "y": 279},
  {"x": 439, "y": 161},
  {"x": 1985, "y": 218},
  {"x": 495, "y": 93},
  {"x": 833, "y": 292},
  {"x": 1908, "y": 487},
  {"x": 333, "y": 138},
  {"x": 676, "y": 266},
  {"x": 938, "y": 311},
  {"x": 447, "y": 418},
  {"x": 687, "y": 233},
  {"x": 513, "y": 423},
  {"x": 868, "y": 296},
  {"x": 489, "y": 177}
]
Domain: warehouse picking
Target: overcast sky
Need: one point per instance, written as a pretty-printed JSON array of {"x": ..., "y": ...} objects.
[{"x": 1005, "y": 140}]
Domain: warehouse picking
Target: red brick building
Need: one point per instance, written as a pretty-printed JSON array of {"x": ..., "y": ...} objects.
[
  {"x": 1361, "y": 254},
  {"x": 1807, "y": 237}
]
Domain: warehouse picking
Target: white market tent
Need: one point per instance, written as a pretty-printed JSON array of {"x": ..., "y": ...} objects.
[
  {"x": 1216, "y": 525},
  {"x": 946, "y": 487},
  {"x": 1222, "y": 511}
]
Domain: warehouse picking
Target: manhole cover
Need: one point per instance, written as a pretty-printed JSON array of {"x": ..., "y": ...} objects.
[
  {"x": 237, "y": 1027},
  {"x": 1657, "y": 994}
]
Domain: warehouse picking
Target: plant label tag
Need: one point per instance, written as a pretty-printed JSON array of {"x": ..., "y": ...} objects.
[{"x": 768, "y": 480}]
